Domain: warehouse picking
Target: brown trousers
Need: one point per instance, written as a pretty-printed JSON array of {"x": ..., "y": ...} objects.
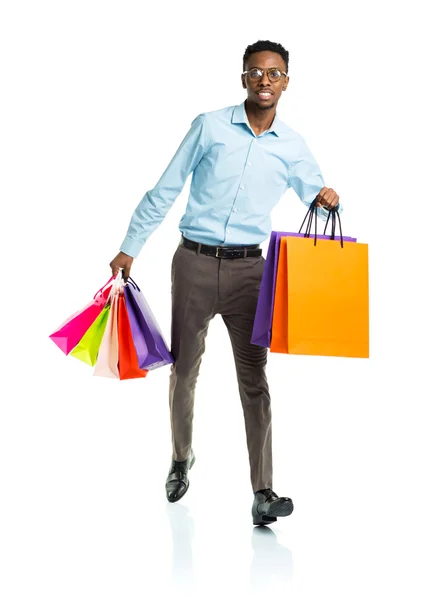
[{"x": 203, "y": 286}]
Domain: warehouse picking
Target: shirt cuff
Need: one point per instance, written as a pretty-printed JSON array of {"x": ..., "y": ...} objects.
[{"x": 131, "y": 247}]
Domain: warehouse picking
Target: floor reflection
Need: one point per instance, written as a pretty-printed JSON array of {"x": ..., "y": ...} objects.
[
  {"x": 272, "y": 563},
  {"x": 182, "y": 530}
]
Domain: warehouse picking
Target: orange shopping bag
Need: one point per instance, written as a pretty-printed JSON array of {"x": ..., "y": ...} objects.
[
  {"x": 321, "y": 303},
  {"x": 322, "y": 278}
]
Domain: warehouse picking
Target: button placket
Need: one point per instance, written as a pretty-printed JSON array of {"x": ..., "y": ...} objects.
[{"x": 241, "y": 185}]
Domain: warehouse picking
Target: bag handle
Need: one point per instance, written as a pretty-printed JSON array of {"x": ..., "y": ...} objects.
[
  {"x": 332, "y": 214},
  {"x": 133, "y": 283},
  {"x": 312, "y": 214},
  {"x": 309, "y": 212},
  {"x": 104, "y": 287}
]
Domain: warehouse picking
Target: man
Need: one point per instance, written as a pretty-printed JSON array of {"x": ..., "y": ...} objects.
[{"x": 243, "y": 158}]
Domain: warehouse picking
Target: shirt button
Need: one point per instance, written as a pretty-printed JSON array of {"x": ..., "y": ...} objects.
[
  {"x": 241, "y": 186},
  {"x": 235, "y": 210},
  {"x": 249, "y": 164}
]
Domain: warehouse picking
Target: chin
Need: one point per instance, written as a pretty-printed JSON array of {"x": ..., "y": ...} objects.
[{"x": 265, "y": 106}]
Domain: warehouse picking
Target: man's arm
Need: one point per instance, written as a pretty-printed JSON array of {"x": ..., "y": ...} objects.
[
  {"x": 156, "y": 203},
  {"x": 305, "y": 177}
]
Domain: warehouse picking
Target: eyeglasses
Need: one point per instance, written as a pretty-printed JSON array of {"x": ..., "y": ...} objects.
[{"x": 274, "y": 74}]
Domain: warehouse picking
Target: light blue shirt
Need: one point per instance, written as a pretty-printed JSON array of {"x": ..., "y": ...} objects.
[{"x": 237, "y": 179}]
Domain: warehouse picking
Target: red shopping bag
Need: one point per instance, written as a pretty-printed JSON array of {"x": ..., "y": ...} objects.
[{"x": 128, "y": 362}]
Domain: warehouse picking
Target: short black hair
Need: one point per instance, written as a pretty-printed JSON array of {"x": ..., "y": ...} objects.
[{"x": 262, "y": 45}]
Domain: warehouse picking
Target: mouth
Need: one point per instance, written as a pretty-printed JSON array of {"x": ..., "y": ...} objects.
[{"x": 264, "y": 95}]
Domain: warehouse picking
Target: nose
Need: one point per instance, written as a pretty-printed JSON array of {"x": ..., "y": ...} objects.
[{"x": 264, "y": 79}]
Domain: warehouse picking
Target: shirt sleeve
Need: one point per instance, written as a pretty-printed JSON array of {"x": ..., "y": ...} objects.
[
  {"x": 305, "y": 177},
  {"x": 156, "y": 202}
]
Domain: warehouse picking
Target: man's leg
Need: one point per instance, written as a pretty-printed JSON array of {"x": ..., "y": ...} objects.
[
  {"x": 194, "y": 299},
  {"x": 241, "y": 283},
  {"x": 250, "y": 364}
]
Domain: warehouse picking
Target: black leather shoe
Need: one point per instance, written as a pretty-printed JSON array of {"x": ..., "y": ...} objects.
[
  {"x": 177, "y": 482},
  {"x": 267, "y": 506}
]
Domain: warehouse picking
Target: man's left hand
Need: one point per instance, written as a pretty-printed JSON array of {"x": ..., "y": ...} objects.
[{"x": 327, "y": 198}]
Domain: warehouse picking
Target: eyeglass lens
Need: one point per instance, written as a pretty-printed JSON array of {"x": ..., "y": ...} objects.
[{"x": 273, "y": 75}]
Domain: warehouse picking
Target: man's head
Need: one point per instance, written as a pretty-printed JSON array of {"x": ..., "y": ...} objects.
[{"x": 266, "y": 56}]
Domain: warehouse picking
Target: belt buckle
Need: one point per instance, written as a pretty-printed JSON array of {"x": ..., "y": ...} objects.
[
  {"x": 218, "y": 250},
  {"x": 228, "y": 252}
]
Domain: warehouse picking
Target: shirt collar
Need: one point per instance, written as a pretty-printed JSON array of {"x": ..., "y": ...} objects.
[{"x": 240, "y": 116}]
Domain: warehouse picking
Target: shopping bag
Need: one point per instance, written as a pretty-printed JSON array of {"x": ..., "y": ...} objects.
[
  {"x": 151, "y": 348},
  {"x": 88, "y": 347},
  {"x": 279, "y": 325},
  {"x": 69, "y": 333},
  {"x": 128, "y": 363},
  {"x": 108, "y": 354},
  {"x": 315, "y": 279},
  {"x": 262, "y": 326}
]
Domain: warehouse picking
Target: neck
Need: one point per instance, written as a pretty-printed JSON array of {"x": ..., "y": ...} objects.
[{"x": 260, "y": 119}]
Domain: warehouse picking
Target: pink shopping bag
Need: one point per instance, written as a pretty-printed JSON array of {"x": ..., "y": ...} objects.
[{"x": 69, "y": 333}]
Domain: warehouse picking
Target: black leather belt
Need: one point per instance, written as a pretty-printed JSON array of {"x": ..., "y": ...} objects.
[{"x": 223, "y": 251}]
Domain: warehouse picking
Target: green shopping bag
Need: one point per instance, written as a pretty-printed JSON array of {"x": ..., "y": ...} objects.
[{"x": 88, "y": 346}]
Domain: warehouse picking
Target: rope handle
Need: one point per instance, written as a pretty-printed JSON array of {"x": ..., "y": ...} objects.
[
  {"x": 133, "y": 283},
  {"x": 312, "y": 214}
]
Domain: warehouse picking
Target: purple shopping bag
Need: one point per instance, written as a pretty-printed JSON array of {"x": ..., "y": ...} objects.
[
  {"x": 152, "y": 351},
  {"x": 261, "y": 335}
]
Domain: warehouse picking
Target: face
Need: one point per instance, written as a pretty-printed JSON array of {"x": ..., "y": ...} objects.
[{"x": 265, "y": 60}]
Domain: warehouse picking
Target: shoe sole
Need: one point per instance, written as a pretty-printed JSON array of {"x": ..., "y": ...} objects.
[
  {"x": 278, "y": 508},
  {"x": 187, "y": 487},
  {"x": 264, "y": 520}
]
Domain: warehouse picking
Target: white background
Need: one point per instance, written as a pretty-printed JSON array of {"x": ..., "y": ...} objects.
[{"x": 96, "y": 97}]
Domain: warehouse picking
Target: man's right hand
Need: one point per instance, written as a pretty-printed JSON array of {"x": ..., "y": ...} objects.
[{"x": 122, "y": 261}]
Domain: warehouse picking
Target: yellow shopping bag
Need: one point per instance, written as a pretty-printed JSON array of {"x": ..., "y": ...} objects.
[{"x": 88, "y": 347}]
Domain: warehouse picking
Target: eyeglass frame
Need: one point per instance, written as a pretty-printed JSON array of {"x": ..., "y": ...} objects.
[{"x": 263, "y": 70}]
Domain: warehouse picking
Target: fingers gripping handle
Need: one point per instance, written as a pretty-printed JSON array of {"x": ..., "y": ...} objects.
[{"x": 117, "y": 285}]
